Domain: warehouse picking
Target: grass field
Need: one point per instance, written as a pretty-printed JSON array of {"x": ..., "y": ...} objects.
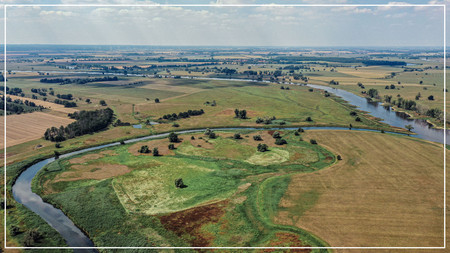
[
  {"x": 229, "y": 200},
  {"x": 387, "y": 191}
]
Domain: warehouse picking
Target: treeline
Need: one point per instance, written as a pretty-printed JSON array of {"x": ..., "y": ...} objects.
[
  {"x": 87, "y": 122},
  {"x": 65, "y": 103},
  {"x": 63, "y": 81},
  {"x": 41, "y": 91},
  {"x": 183, "y": 115},
  {"x": 300, "y": 59},
  {"x": 413, "y": 106},
  {"x": 18, "y": 106},
  {"x": 11, "y": 91},
  {"x": 65, "y": 96}
]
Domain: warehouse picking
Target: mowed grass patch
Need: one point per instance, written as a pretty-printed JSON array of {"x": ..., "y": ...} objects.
[
  {"x": 387, "y": 191},
  {"x": 152, "y": 190}
]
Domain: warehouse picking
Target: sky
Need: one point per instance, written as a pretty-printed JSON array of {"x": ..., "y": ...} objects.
[{"x": 307, "y": 26}]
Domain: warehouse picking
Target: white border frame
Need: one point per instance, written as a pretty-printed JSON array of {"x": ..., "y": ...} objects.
[{"x": 226, "y": 5}]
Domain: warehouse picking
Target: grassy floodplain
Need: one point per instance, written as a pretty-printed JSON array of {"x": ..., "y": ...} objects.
[{"x": 231, "y": 198}]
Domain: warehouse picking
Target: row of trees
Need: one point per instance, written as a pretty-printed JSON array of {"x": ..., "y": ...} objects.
[
  {"x": 86, "y": 122},
  {"x": 63, "y": 81},
  {"x": 183, "y": 115},
  {"x": 65, "y": 103}
]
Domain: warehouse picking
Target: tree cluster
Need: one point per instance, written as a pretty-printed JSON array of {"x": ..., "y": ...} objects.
[
  {"x": 240, "y": 114},
  {"x": 183, "y": 115},
  {"x": 87, "y": 122}
]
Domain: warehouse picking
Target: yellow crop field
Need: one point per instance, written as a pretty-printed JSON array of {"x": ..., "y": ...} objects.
[{"x": 386, "y": 191}]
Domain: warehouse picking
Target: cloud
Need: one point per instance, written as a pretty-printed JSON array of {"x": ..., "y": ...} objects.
[{"x": 57, "y": 13}]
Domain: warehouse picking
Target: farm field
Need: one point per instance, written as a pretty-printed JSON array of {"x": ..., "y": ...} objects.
[
  {"x": 231, "y": 196},
  {"x": 387, "y": 191},
  {"x": 29, "y": 126}
]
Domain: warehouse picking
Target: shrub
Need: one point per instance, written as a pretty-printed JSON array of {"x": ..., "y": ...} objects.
[
  {"x": 171, "y": 146},
  {"x": 156, "y": 100},
  {"x": 237, "y": 136},
  {"x": 102, "y": 103},
  {"x": 296, "y": 134},
  {"x": 212, "y": 135},
  {"x": 31, "y": 237},
  {"x": 179, "y": 183},
  {"x": 57, "y": 145},
  {"x": 309, "y": 119},
  {"x": 175, "y": 125},
  {"x": 173, "y": 137},
  {"x": 312, "y": 141},
  {"x": 155, "y": 152},
  {"x": 276, "y": 135},
  {"x": 300, "y": 130},
  {"x": 262, "y": 147},
  {"x": 339, "y": 157},
  {"x": 280, "y": 141},
  {"x": 144, "y": 150},
  {"x": 353, "y": 113},
  {"x": 122, "y": 142},
  {"x": 358, "y": 119},
  {"x": 192, "y": 138},
  {"x": 257, "y": 138}
]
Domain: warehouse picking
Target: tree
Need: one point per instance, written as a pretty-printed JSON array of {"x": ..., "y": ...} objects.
[
  {"x": 156, "y": 100},
  {"x": 409, "y": 127},
  {"x": 155, "y": 152},
  {"x": 312, "y": 141},
  {"x": 192, "y": 138},
  {"x": 212, "y": 135},
  {"x": 257, "y": 138},
  {"x": 122, "y": 142},
  {"x": 144, "y": 150},
  {"x": 276, "y": 135},
  {"x": 358, "y": 119},
  {"x": 300, "y": 130},
  {"x": 373, "y": 93},
  {"x": 102, "y": 103},
  {"x": 243, "y": 114},
  {"x": 339, "y": 157},
  {"x": 309, "y": 119},
  {"x": 262, "y": 147},
  {"x": 350, "y": 126},
  {"x": 88, "y": 100},
  {"x": 280, "y": 141},
  {"x": 171, "y": 146},
  {"x": 431, "y": 97},
  {"x": 237, "y": 136},
  {"x": 179, "y": 183},
  {"x": 173, "y": 137},
  {"x": 353, "y": 113},
  {"x": 236, "y": 112},
  {"x": 296, "y": 133}
]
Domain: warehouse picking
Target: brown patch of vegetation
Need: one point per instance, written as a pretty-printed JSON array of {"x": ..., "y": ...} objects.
[
  {"x": 190, "y": 221},
  {"x": 286, "y": 240},
  {"x": 85, "y": 158},
  {"x": 202, "y": 142},
  {"x": 162, "y": 145},
  {"x": 92, "y": 171}
]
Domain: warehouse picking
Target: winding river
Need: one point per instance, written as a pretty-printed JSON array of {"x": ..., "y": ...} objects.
[{"x": 76, "y": 239}]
